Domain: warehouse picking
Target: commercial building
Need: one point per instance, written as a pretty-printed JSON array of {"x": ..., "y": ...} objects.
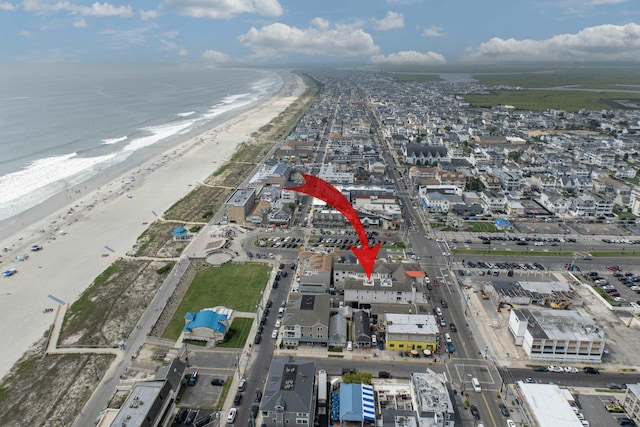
[
  {"x": 314, "y": 272},
  {"x": 557, "y": 335},
  {"x": 238, "y": 206},
  {"x": 411, "y": 332},
  {"x": 289, "y": 394},
  {"x": 150, "y": 403},
  {"x": 546, "y": 405},
  {"x": 632, "y": 402},
  {"x": 431, "y": 399}
]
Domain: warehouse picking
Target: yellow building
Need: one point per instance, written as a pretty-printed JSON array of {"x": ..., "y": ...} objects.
[{"x": 411, "y": 332}]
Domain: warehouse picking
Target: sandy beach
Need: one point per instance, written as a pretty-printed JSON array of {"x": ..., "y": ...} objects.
[{"x": 76, "y": 226}]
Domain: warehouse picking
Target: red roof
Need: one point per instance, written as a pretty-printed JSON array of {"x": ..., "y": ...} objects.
[{"x": 415, "y": 273}]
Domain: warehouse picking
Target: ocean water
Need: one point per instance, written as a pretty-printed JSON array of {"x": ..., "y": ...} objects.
[{"x": 63, "y": 124}]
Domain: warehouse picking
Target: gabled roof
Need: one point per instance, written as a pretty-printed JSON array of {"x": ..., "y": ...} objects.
[
  {"x": 289, "y": 386},
  {"x": 206, "y": 319}
]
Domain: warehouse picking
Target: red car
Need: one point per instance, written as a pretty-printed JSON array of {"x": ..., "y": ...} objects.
[{"x": 613, "y": 268}]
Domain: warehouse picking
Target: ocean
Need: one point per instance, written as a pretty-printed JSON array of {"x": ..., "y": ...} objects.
[{"x": 63, "y": 124}]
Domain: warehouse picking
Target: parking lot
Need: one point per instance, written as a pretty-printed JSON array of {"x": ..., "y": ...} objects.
[
  {"x": 210, "y": 364},
  {"x": 593, "y": 409}
]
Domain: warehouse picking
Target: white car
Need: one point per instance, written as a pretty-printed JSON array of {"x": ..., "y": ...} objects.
[
  {"x": 278, "y": 323},
  {"x": 553, "y": 368},
  {"x": 274, "y": 334},
  {"x": 446, "y": 253},
  {"x": 511, "y": 423},
  {"x": 447, "y": 337},
  {"x": 232, "y": 415},
  {"x": 571, "y": 370}
]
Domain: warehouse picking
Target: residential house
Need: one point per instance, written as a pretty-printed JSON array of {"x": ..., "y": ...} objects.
[
  {"x": 492, "y": 201},
  {"x": 306, "y": 320},
  {"x": 361, "y": 329},
  {"x": 289, "y": 397}
]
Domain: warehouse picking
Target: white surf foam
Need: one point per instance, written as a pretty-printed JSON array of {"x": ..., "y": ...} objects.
[{"x": 111, "y": 141}]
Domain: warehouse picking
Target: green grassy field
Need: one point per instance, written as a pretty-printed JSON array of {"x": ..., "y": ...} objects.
[
  {"x": 583, "y": 78},
  {"x": 235, "y": 286},
  {"x": 241, "y": 326},
  {"x": 482, "y": 227},
  {"x": 539, "y": 100}
]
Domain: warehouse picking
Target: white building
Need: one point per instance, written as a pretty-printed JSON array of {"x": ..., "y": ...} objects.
[
  {"x": 431, "y": 400},
  {"x": 546, "y": 405},
  {"x": 632, "y": 402},
  {"x": 557, "y": 335}
]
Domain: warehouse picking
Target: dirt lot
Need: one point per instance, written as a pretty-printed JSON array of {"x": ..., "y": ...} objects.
[{"x": 50, "y": 390}]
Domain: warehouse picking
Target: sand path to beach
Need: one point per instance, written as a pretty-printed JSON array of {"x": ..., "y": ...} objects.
[{"x": 111, "y": 216}]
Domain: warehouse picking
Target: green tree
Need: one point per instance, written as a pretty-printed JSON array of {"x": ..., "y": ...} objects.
[
  {"x": 514, "y": 155},
  {"x": 476, "y": 185},
  {"x": 357, "y": 378}
]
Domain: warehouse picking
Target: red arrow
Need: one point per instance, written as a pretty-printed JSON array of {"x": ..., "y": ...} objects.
[{"x": 321, "y": 189}]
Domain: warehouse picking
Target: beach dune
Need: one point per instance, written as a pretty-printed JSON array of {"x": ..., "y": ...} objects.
[{"x": 105, "y": 219}]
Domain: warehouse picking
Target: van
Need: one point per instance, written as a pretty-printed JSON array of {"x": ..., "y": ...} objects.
[
  {"x": 349, "y": 346},
  {"x": 232, "y": 415},
  {"x": 476, "y": 384}
]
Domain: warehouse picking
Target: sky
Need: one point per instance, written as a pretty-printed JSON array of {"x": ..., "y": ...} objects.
[{"x": 375, "y": 32}]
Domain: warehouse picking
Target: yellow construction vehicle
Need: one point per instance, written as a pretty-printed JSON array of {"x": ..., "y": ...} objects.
[{"x": 562, "y": 305}]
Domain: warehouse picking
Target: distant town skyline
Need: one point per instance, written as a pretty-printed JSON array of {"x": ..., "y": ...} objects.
[{"x": 375, "y": 32}]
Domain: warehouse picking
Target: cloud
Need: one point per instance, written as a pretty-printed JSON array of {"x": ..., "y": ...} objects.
[
  {"x": 24, "y": 33},
  {"x": 599, "y": 43},
  {"x": 224, "y": 9},
  {"x": 318, "y": 39},
  {"x": 171, "y": 34},
  {"x": 5, "y": 5},
  {"x": 80, "y": 23},
  {"x": 146, "y": 15},
  {"x": 183, "y": 52},
  {"x": 124, "y": 39},
  {"x": 32, "y": 6},
  {"x": 96, "y": 9},
  {"x": 606, "y": 2},
  {"x": 391, "y": 21},
  {"x": 408, "y": 57},
  {"x": 215, "y": 56},
  {"x": 168, "y": 45},
  {"x": 433, "y": 31}
]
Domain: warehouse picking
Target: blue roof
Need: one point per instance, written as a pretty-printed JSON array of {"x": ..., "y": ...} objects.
[
  {"x": 179, "y": 231},
  {"x": 206, "y": 319},
  {"x": 501, "y": 223},
  {"x": 356, "y": 402}
]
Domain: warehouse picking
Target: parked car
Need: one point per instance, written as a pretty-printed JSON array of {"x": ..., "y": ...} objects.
[
  {"x": 571, "y": 370},
  {"x": 384, "y": 374},
  {"x": 553, "y": 368},
  {"x": 192, "y": 378},
  {"x": 475, "y": 412},
  {"x": 258, "y": 397},
  {"x": 217, "y": 381},
  {"x": 232, "y": 415},
  {"x": 254, "y": 410},
  {"x": 452, "y": 327},
  {"x": 504, "y": 409},
  {"x": 590, "y": 370},
  {"x": 540, "y": 368},
  {"x": 444, "y": 304},
  {"x": 257, "y": 339},
  {"x": 614, "y": 386}
]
